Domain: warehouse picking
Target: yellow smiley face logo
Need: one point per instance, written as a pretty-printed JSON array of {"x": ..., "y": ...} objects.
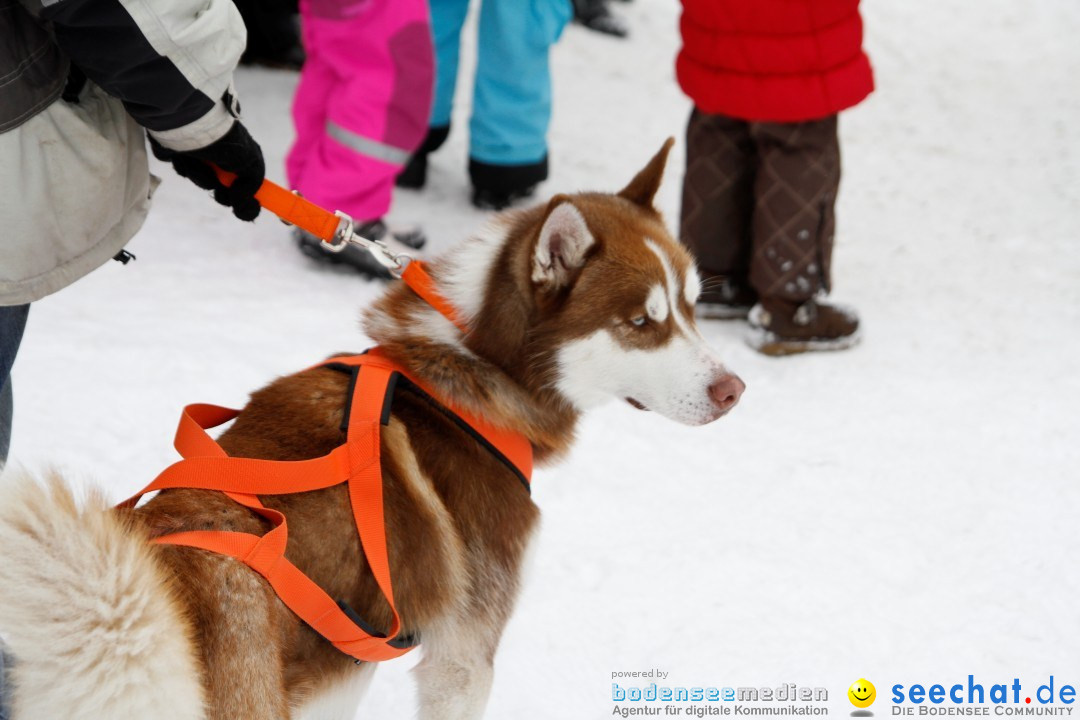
[{"x": 862, "y": 693}]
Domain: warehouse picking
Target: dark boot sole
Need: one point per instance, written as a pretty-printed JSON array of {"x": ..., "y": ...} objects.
[
  {"x": 769, "y": 343},
  {"x": 721, "y": 311}
]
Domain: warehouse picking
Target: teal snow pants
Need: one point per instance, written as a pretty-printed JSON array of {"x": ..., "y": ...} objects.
[{"x": 512, "y": 93}]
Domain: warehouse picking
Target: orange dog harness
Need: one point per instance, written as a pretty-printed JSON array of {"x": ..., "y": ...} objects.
[{"x": 356, "y": 463}]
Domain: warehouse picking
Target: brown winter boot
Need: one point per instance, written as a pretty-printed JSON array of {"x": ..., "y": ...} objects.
[
  {"x": 795, "y": 195},
  {"x": 780, "y": 327}
]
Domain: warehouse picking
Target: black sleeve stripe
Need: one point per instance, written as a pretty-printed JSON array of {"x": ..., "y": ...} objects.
[{"x": 105, "y": 42}]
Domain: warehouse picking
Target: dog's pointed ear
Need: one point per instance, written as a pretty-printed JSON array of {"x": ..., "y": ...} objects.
[
  {"x": 563, "y": 244},
  {"x": 642, "y": 189}
]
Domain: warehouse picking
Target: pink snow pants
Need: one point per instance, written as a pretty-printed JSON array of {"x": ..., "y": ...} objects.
[{"x": 363, "y": 102}]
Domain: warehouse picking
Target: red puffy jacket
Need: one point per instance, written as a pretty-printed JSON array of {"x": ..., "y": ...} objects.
[{"x": 773, "y": 60}]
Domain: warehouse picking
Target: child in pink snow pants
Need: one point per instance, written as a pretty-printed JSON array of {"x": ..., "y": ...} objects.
[{"x": 361, "y": 108}]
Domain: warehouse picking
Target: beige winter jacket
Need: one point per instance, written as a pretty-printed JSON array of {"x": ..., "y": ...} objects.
[{"x": 74, "y": 179}]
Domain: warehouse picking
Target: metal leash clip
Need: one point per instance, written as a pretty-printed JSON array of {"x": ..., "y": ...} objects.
[{"x": 346, "y": 235}]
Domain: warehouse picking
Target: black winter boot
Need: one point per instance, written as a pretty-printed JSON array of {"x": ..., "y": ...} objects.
[
  {"x": 488, "y": 199},
  {"x": 414, "y": 175},
  {"x": 597, "y": 16},
  {"x": 497, "y": 187}
]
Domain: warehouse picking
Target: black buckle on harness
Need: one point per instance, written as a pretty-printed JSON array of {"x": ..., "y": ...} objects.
[{"x": 401, "y": 642}]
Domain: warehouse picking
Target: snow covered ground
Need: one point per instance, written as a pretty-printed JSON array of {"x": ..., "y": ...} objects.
[{"x": 905, "y": 512}]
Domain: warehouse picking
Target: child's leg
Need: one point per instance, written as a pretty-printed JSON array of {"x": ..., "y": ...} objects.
[
  {"x": 378, "y": 106},
  {"x": 512, "y": 98},
  {"x": 317, "y": 82},
  {"x": 718, "y": 201},
  {"x": 795, "y": 193},
  {"x": 447, "y": 17}
]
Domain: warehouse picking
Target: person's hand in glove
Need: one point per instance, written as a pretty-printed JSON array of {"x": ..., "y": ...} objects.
[{"x": 237, "y": 152}]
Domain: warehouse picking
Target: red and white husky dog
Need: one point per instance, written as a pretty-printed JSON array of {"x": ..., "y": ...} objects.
[{"x": 568, "y": 304}]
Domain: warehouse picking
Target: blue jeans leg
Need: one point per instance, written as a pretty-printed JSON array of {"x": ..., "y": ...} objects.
[
  {"x": 12, "y": 323},
  {"x": 5, "y": 687}
]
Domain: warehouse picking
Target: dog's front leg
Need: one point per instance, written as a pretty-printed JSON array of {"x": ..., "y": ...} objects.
[
  {"x": 339, "y": 699},
  {"x": 455, "y": 675}
]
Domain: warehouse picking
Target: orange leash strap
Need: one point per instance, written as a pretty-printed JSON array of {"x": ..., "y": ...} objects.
[
  {"x": 322, "y": 223},
  {"x": 290, "y": 207},
  {"x": 417, "y": 278}
]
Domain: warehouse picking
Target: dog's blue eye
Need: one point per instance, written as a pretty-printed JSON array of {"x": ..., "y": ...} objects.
[{"x": 639, "y": 321}]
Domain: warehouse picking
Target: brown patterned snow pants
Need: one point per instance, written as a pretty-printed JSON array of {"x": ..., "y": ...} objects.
[{"x": 758, "y": 202}]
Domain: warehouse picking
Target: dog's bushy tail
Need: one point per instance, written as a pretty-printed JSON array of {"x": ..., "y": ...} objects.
[{"x": 87, "y": 613}]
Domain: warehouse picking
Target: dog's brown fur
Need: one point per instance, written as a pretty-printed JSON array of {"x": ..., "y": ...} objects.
[{"x": 241, "y": 626}]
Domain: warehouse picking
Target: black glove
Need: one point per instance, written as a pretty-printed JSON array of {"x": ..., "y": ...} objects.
[{"x": 237, "y": 152}]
